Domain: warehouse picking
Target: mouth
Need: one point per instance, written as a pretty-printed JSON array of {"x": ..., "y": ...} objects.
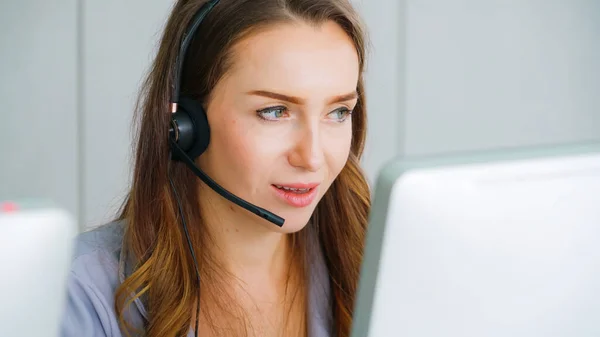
[{"x": 297, "y": 195}]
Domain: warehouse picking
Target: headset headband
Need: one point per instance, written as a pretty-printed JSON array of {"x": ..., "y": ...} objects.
[{"x": 187, "y": 39}]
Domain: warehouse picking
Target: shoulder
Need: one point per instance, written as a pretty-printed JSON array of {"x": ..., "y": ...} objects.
[
  {"x": 93, "y": 278},
  {"x": 97, "y": 252}
]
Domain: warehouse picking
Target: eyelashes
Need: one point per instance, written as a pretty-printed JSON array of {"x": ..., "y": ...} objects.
[
  {"x": 276, "y": 113},
  {"x": 343, "y": 113},
  {"x": 272, "y": 113}
]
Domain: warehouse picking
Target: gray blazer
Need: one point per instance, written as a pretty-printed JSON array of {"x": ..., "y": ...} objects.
[{"x": 99, "y": 265}]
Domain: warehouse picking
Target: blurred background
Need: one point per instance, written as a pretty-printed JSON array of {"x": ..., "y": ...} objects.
[{"x": 443, "y": 76}]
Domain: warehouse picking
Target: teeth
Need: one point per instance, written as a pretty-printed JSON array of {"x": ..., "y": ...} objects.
[{"x": 302, "y": 190}]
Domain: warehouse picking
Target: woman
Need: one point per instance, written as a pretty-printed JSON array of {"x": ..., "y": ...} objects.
[{"x": 281, "y": 84}]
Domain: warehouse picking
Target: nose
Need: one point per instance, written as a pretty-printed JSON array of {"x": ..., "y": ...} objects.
[{"x": 307, "y": 153}]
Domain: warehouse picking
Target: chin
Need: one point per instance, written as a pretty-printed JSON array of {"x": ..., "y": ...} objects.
[
  {"x": 291, "y": 226},
  {"x": 295, "y": 221},
  {"x": 299, "y": 207}
]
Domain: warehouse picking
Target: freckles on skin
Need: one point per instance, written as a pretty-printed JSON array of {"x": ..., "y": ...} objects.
[
  {"x": 242, "y": 153},
  {"x": 231, "y": 138}
]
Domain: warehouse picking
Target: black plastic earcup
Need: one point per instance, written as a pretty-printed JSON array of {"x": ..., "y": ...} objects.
[{"x": 190, "y": 127}]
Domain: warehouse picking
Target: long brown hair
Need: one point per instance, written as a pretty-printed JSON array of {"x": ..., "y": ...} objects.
[{"x": 164, "y": 274}]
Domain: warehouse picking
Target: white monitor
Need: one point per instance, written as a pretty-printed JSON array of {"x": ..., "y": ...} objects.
[
  {"x": 494, "y": 245},
  {"x": 35, "y": 254}
]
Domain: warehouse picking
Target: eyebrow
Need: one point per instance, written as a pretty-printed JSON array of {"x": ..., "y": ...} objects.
[{"x": 297, "y": 100}]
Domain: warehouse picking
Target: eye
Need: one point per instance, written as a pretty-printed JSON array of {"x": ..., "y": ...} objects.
[
  {"x": 340, "y": 114},
  {"x": 272, "y": 113}
]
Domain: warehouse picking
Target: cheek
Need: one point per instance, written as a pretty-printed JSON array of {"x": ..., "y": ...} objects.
[
  {"x": 338, "y": 150},
  {"x": 229, "y": 143},
  {"x": 244, "y": 154}
]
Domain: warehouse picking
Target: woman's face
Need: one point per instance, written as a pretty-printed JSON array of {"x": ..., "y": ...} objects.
[{"x": 280, "y": 120}]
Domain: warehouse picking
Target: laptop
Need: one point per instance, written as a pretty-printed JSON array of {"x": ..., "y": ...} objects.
[
  {"x": 35, "y": 257},
  {"x": 485, "y": 244}
]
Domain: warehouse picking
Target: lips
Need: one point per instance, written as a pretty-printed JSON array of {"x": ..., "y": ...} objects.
[{"x": 297, "y": 194}]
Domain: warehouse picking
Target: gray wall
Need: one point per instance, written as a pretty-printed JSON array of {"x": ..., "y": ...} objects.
[
  {"x": 117, "y": 51},
  {"x": 443, "y": 75},
  {"x": 501, "y": 73},
  {"x": 39, "y": 133},
  {"x": 385, "y": 84}
]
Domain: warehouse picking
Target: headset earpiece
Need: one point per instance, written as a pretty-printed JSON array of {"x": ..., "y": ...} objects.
[
  {"x": 189, "y": 127},
  {"x": 189, "y": 133}
]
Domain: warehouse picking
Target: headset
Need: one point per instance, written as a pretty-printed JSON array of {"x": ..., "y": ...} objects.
[
  {"x": 189, "y": 136},
  {"x": 189, "y": 132}
]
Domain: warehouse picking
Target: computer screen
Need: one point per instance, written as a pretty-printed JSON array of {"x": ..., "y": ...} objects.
[
  {"x": 495, "y": 245},
  {"x": 35, "y": 255}
]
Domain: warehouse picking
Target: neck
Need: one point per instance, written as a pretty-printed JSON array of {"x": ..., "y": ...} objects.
[
  {"x": 244, "y": 246},
  {"x": 266, "y": 286}
]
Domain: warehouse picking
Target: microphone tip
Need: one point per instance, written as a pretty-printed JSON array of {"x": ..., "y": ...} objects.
[{"x": 277, "y": 220}]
